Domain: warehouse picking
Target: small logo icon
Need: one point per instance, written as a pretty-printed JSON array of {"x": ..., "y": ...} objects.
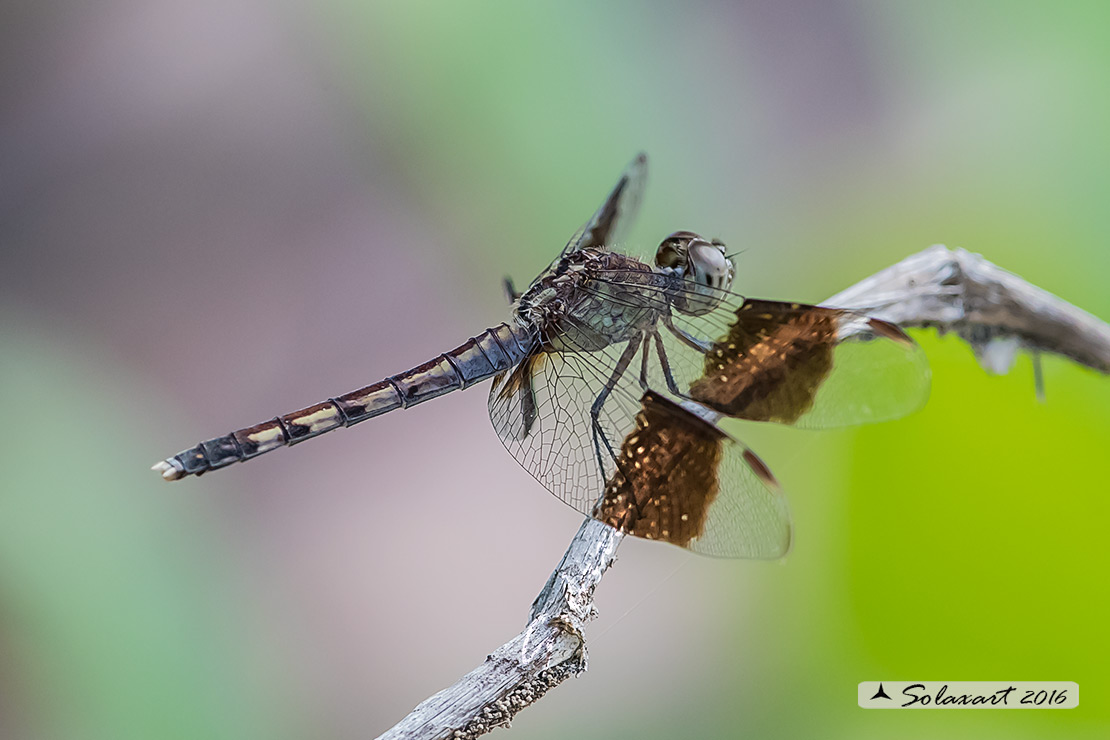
[{"x": 880, "y": 694}]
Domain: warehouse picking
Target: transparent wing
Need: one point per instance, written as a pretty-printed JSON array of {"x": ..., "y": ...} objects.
[
  {"x": 541, "y": 411},
  {"x": 750, "y": 517},
  {"x": 610, "y": 224},
  {"x": 642, "y": 463},
  {"x": 811, "y": 366}
]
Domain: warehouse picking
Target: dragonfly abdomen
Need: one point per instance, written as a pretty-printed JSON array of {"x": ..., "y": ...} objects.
[{"x": 493, "y": 351}]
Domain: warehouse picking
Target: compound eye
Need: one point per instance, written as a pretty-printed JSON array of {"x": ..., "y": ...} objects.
[
  {"x": 672, "y": 250},
  {"x": 708, "y": 264},
  {"x": 708, "y": 272}
]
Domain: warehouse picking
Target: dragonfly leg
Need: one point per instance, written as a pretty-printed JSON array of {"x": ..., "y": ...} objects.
[
  {"x": 684, "y": 337},
  {"x": 664, "y": 363},
  {"x": 595, "y": 410},
  {"x": 599, "y": 439},
  {"x": 511, "y": 293},
  {"x": 644, "y": 356}
]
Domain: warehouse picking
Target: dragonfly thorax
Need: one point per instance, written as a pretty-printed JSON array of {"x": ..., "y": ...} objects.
[{"x": 591, "y": 299}]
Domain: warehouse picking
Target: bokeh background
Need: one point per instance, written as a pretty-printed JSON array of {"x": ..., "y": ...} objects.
[{"x": 212, "y": 212}]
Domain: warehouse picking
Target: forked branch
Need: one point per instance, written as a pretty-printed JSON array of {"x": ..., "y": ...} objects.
[{"x": 996, "y": 312}]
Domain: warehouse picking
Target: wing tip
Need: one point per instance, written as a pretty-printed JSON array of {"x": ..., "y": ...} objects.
[
  {"x": 789, "y": 546},
  {"x": 891, "y": 331}
]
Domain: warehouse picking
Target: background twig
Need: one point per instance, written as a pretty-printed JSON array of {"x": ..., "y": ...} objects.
[{"x": 996, "y": 312}]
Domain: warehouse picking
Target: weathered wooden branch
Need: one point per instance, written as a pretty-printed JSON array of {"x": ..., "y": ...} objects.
[{"x": 996, "y": 312}]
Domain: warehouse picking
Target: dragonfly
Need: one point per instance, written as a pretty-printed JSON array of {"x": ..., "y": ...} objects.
[{"x": 612, "y": 378}]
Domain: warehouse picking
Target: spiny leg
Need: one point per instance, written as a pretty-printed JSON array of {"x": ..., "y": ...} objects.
[
  {"x": 510, "y": 291},
  {"x": 664, "y": 363},
  {"x": 644, "y": 355},
  {"x": 684, "y": 337},
  {"x": 595, "y": 410}
]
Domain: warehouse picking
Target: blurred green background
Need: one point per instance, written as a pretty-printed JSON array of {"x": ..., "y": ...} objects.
[{"x": 214, "y": 212}]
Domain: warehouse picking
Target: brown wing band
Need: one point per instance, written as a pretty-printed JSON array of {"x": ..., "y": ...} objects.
[
  {"x": 666, "y": 476},
  {"x": 771, "y": 363}
]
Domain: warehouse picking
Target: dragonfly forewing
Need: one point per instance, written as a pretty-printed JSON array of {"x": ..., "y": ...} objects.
[{"x": 791, "y": 363}]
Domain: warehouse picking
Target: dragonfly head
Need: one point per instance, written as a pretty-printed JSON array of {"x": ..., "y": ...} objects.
[{"x": 701, "y": 262}]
